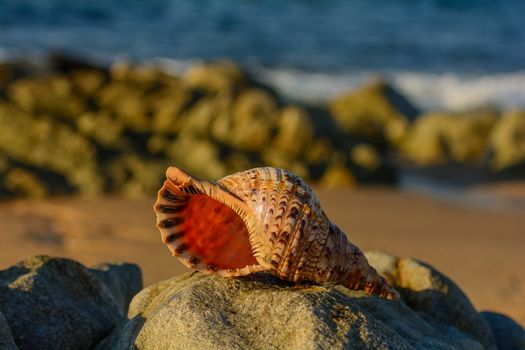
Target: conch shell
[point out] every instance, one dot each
(258, 220)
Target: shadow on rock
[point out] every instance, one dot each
(509, 335)
(54, 303)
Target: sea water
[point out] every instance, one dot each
(441, 53)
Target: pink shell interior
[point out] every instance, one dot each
(203, 232)
(216, 234)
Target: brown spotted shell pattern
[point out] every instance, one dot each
(263, 219)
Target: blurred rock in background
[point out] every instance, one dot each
(74, 127)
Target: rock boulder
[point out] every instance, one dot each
(376, 112)
(509, 335)
(54, 303)
(6, 338)
(196, 311)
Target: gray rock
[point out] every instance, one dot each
(509, 335)
(196, 311)
(54, 303)
(123, 281)
(432, 295)
(6, 338)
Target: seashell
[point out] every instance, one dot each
(263, 219)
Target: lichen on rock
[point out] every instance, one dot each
(507, 141)
(376, 112)
(440, 137)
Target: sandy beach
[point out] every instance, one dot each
(480, 249)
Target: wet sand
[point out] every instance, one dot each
(481, 248)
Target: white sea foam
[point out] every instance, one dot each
(171, 65)
(451, 91)
(309, 86)
(428, 91)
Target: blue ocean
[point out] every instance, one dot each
(441, 53)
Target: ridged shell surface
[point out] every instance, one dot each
(256, 220)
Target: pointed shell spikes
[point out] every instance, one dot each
(257, 220)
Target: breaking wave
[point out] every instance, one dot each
(429, 91)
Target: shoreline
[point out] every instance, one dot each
(431, 90)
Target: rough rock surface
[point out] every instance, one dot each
(54, 303)
(6, 338)
(195, 311)
(509, 335)
(432, 295)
